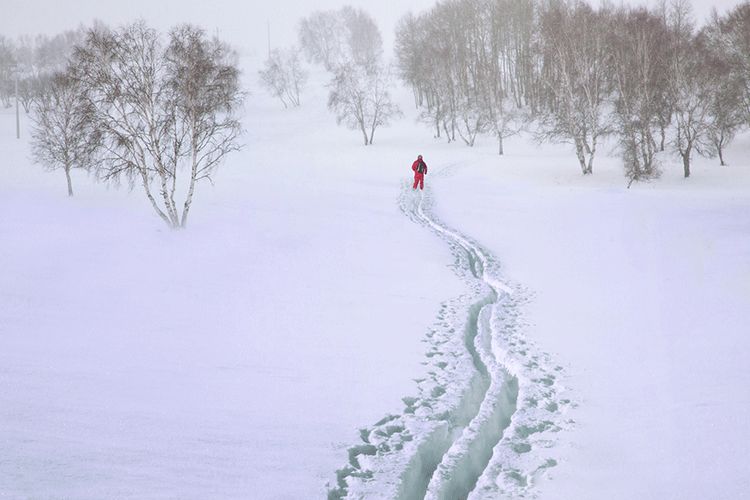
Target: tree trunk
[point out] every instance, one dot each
(686, 163)
(159, 211)
(581, 157)
(70, 183)
(721, 156)
(591, 153)
(191, 189)
(663, 138)
(165, 194)
(500, 144)
(372, 129)
(364, 133)
(162, 170)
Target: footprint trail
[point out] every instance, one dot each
(485, 421)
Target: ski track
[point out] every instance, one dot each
(485, 422)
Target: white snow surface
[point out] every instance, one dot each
(644, 296)
(240, 358)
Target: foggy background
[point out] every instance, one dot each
(244, 24)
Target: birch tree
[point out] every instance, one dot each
(161, 110)
(284, 76)
(725, 115)
(638, 43)
(205, 99)
(361, 99)
(693, 100)
(691, 87)
(577, 80)
(337, 38)
(348, 44)
(733, 40)
(8, 70)
(729, 113)
(62, 136)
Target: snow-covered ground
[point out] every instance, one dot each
(241, 358)
(644, 295)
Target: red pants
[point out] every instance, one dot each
(418, 179)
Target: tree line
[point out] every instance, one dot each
(31, 61)
(161, 111)
(577, 74)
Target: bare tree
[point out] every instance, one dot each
(725, 116)
(321, 39)
(348, 44)
(577, 82)
(203, 76)
(473, 66)
(361, 99)
(638, 43)
(692, 114)
(8, 71)
(160, 110)
(284, 76)
(691, 88)
(62, 135)
(472, 120)
(26, 92)
(505, 120)
(728, 113)
(425, 55)
(340, 38)
(732, 43)
(363, 39)
(36, 59)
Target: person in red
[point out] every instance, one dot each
(420, 170)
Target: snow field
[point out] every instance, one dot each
(642, 295)
(222, 360)
(470, 395)
(259, 344)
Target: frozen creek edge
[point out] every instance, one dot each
(485, 422)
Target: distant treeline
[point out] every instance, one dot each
(31, 61)
(651, 78)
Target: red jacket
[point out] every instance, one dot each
(416, 164)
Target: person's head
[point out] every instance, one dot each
(419, 157)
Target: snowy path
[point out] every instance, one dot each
(485, 421)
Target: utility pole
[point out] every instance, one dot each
(18, 119)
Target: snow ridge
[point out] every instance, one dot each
(485, 420)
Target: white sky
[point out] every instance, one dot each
(241, 23)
